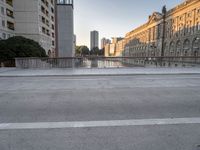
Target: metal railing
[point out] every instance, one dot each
(107, 62)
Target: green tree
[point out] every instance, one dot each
(101, 52)
(77, 51)
(20, 47)
(82, 50)
(94, 51)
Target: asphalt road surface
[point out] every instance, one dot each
(146, 112)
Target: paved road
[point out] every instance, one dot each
(51, 100)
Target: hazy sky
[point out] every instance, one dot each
(113, 18)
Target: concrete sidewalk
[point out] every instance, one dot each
(14, 72)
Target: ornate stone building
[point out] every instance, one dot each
(171, 33)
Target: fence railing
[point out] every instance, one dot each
(107, 62)
(7, 63)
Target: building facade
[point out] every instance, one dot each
(7, 22)
(94, 39)
(65, 28)
(33, 19)
(171, 33)
(104, 41)
(115, 48)
(36, 20)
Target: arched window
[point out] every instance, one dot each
(178, 48)
(186, 47)
(165, 49)
(49, 53)
(196, 47)
(172, 49)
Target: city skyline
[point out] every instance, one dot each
(109, 21)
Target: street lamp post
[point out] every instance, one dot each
(196, 51)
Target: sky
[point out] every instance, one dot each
(113, 18)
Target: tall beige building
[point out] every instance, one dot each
(115, 48)
(171, 33)
(33, 19)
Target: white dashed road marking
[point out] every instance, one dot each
(92, 124)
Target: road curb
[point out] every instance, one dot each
(86, 75)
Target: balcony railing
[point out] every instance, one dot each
(107, 62)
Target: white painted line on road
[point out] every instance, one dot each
(92, 124)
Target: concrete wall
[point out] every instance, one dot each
(65, 27)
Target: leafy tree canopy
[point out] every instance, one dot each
(82, 50)
(20, 47)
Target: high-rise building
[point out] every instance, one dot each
(33, 19)
(7, 25)
(94, 39)
(115, 48)
(104, 41)
(36, 20)
(65, 28)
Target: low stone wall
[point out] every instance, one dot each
(107, 62)
(43, 63)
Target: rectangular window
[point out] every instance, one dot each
(43, 30)
(42, 9)
(3, 23)
(47, 4)
(47, 13)
(52, 18)
(47, 23)
(2, 11)
(9, 13)
(47, 31)
(43, 20)
(10, 25)
(52, 10)
(3, 35)
(198, 26)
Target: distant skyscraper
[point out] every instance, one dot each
(104, 41)
(94, 39)
(65, 28)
